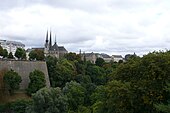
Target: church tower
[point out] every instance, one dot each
(53, 49)
(46, 49)
(50, 43)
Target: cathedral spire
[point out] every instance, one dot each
(47, 37)
(50, 43)
(55, 39)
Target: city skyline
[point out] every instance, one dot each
(104, 26)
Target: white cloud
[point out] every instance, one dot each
(111, 26)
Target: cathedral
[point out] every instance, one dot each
(53, 50)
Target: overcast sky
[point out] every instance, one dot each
(105, 26)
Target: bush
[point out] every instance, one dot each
(37, 81)
(12, 81)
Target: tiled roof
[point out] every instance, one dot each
(117, 56)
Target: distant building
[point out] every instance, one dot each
(53, 50)
(89, 57)
(117, 58)
(105, 57)
(93, 56)
(49, 49)
(11, 46)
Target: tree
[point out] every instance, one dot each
(164, 107)
(99, 62)
(10, 56)
(20, 53)
(97, 74)
(80, 67)
(18, 106)
(36, 55)
(98, 100)
(37, 81)
(75, 94)
(148, 76)
(1, 51)
(64, 72)
(72, 56)
(12, 81)
(49, 100)
(5, 53)
(119, 97)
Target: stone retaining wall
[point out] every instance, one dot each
(23, 68)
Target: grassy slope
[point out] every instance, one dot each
(5, 98)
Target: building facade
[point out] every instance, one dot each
(11, 46)
(117, 58)
(105, 57)
(93, 56)
(53, 50)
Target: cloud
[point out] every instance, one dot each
(111, 26)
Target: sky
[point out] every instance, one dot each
(104, 26)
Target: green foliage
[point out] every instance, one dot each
(119, 97)
(75, 94)
(10, 56)
(164, 107)
(1, 51)
(12, 81)
(80, 67)
(62, 73)
(100, 62)
(18, 106)
(98, 99)
(72, 56)
(83, 109)
(37, 81)
(5, 53)
(36, 55)
(136, 86)
(3, 108)
(148, 77)
(97, 74)
(83, 79)
(48, 100)
(20, 53)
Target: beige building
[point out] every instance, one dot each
(105, 57)
(117, 58)
(93, 56)
(89, 57)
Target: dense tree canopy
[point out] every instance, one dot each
(100, 62)
(139, 85)
(1, 51)
(72, 56)
(63, 72)
(49, 100)
(147, 77)
(20, 53)
(37, 81)
(12, 81)
(5, 53)
(164, 107)
(75, 94)
(36, 55)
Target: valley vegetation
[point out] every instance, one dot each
(139, 85)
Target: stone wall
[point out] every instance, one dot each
(23, 68)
